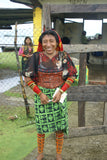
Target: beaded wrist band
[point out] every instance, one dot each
(67, 84)
(61, 90)
(23, 55)
(34, 87)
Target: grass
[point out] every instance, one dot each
(13, 94)
(8, 60)
(17, 137)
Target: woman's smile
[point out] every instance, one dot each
(49, 44)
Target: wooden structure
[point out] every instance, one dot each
(81, 93)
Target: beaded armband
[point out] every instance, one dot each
(34, 87)
(69, 81)
(67, 84)
(23, 55)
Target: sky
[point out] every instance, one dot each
(9, 4)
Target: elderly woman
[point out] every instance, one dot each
(50, 68)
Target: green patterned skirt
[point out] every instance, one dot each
(50, 117)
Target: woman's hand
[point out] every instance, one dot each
(29, 55)
(57, 97)
(44, 99)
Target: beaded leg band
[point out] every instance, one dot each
(40, 141)
(59, 142)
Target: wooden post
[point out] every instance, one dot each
(46, 16)
(82, 77)
(20, 75)
(105, 109)
(105, 114)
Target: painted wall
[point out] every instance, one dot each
(71, 30)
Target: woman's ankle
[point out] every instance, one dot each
(40, 156)
(58, 156)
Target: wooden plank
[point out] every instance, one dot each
(84, 48)
(105, 113)
(46, 16)
(87, 131)
(82, 77)
(70, 8)
(88, 93)
(81, 113)
(82, 69)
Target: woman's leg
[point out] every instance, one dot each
(59, 144)
(40, 141)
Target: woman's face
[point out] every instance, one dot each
(28, 41)
(49, 44)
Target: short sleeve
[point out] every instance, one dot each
(71, 67)
(21, 51)
(32, 67)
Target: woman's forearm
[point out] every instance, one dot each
(33, 86)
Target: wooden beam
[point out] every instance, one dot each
(70, 8)
(46, 16)
(82, 77)
(105, 109)
(105, 113)
(88, 93)
(82, 69)
(36, 3)
(87, 131)
(84, 48)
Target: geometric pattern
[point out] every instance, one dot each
(50, 117)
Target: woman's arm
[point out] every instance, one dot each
(21, 51)
(66, 85)
(44, 99)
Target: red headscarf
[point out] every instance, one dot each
(59, 47)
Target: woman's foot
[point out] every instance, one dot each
(58, 157)
(40, 156)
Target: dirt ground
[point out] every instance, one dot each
(80, 148)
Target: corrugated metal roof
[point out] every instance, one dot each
(10, 16)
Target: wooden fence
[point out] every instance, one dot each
(83, 93)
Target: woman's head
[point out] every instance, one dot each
(49, 40)
(28, 41)
(49, 32)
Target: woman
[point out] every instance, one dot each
(26, 51)
(49, 69)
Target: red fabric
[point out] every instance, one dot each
(23, 55)
(65, 86)
(70, 79)
(40, 49)
(36, 89)
(60, 46)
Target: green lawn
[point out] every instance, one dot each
(8, 60)
(17, 137)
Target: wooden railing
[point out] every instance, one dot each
(82, 93)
